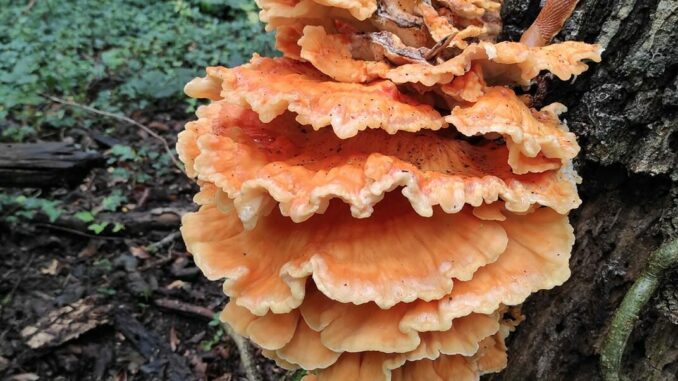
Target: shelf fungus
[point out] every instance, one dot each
(379, 200)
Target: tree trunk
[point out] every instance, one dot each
(624, 111)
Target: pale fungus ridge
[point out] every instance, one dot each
(379, 198)
(261, 165)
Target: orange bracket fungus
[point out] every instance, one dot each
(379, 199)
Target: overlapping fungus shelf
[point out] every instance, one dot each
(379, 199)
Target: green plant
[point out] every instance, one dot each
(120, 55)
(298, 375)
(20, 207)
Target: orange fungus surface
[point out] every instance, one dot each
(378, 200)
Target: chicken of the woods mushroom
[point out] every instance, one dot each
(379, 199)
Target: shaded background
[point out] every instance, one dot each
(99, 265)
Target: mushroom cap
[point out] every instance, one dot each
(468, 87)
(256, 163)
(503, 62)
(392, 257)
(272, 86)
(272, 10)
(360, 9)
(441, 27)
(528, 133)
(414, 23)
(376, 366)
(305, 346)
(536, 258)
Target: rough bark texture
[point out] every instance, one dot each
(624, 111)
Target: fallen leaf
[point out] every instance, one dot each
(139, 252)
(91, 248)
(176, 284)
(66, 323)
(51, 269)
(174, 339)
(158, 126)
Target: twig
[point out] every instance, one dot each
(29, 6)
(159, 262)
(121, 118)
(73, 231)
(176, 305)
(246, 358)
(627, 314)
(163, 242)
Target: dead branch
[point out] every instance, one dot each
(191, 309)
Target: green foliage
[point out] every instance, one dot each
(113, 201)
(16, 208)
(298, 375)
(208, 344)
(98, 227)
(122, 153)
(85, 216)
(106, 291)
(121, 56)
(13, 208)
(104, 264)
(118, 55)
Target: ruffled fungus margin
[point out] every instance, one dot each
(437, 198)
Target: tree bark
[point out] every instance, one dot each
(624, 111)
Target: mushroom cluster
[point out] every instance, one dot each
(378, 198)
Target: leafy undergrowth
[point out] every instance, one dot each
(111, 242)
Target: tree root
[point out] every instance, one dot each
(629, 310)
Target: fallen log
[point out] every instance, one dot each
(45, 165)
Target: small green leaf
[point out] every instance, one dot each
(216, 321)
(85, 216)
(113, 201)
(51, 209)
(298, 375)
(98, 228)
(27, 214)
(123, 153)
(106, 291)
(121, 173)
(118, 227)
(104, 264)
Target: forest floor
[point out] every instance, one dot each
(80, 306)
(105, 278)
(95, 281)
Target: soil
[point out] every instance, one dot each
(125, 330)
